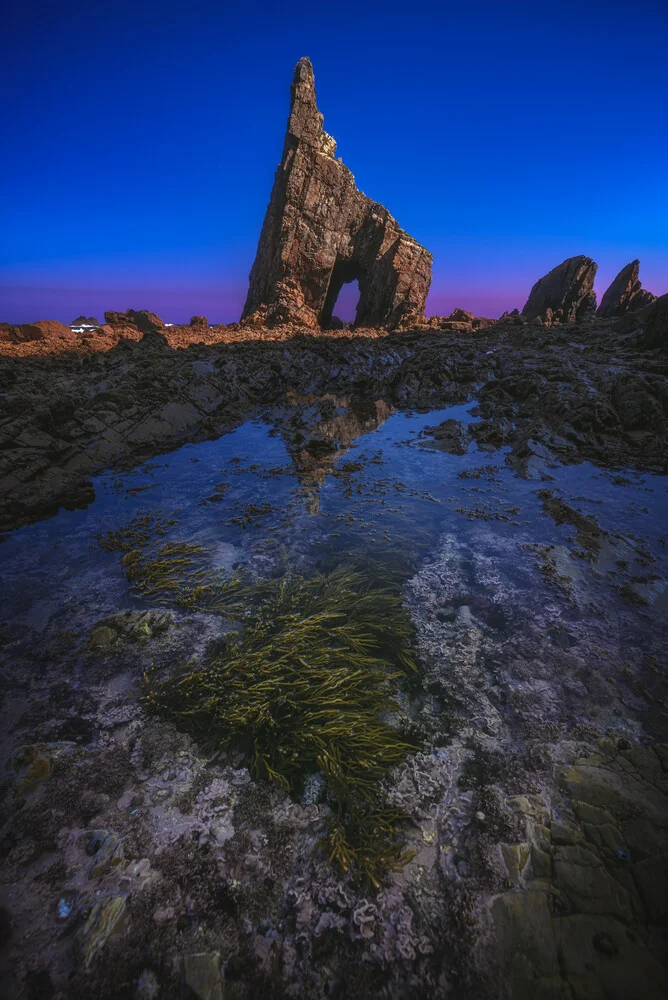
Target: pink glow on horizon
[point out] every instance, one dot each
(222, 301)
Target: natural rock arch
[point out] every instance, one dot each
(320, 231)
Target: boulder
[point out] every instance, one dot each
(84, 321)
(48, 330)
(625, 294)
(461, 316)
(140, 319)
(564, 295)
(199, 321)
(320, 232)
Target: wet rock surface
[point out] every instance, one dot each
(141, 861)
(320, 232)
(577, 392)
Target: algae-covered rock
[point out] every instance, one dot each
(33, 764)
(107, 850)
(516, 857)
(37, 771)
(203, 975)
(601, 959)
(527, 948)
(102, 638)
(106, 920)
(586, 885)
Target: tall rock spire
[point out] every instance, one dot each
(305, 121)
(625, 294)
(566, 293)
(320, 232)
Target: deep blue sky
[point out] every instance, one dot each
(140, 141)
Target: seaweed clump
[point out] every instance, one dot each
(178, 573)
(306, 686)
(139, 530)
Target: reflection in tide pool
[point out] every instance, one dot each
(329, 479)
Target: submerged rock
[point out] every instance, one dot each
(625, 294)
(564, 295)
(320, 232)
(451, 436)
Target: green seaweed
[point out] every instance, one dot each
(178, 573)
(306, 685)
(138, 532)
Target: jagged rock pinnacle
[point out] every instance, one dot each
(319, 232)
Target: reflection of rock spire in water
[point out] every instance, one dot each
(319, 429)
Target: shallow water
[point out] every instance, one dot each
(308, 490)
(540, 617)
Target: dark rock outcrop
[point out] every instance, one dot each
(625, 294)
(655, 324)
(84, 321)
(141, 319)
(199, 321)
(564, 295)
(320, 232)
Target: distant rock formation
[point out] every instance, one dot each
(320, 232)
(45, 330)
(625, 294)
(564, 295)
(84, 321)
(199, 321)
(140, 320)
(655, 323)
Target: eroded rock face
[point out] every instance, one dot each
(47, 331)
(655, 324)
(625, 294)
(566, 294)
(199, 322)
(321, 232)
(140, 319)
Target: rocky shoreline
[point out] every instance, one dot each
(568, 392)
(359, 693)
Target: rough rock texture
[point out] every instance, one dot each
(140, 319)
(63, 418)
(48, 330)
(84, 321)
(625, 294)
(566, 294)
(199, 321)
(321, 232)
(655, 324)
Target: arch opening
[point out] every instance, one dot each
(343, 294)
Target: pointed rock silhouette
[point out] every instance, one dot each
(320, 232)
(565, 294)
(625, 294)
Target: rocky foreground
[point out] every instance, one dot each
(527, 835)
(539, 817)
(569, 391)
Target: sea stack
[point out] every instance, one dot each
(320, 232)
(625, 294)
(565, 294)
